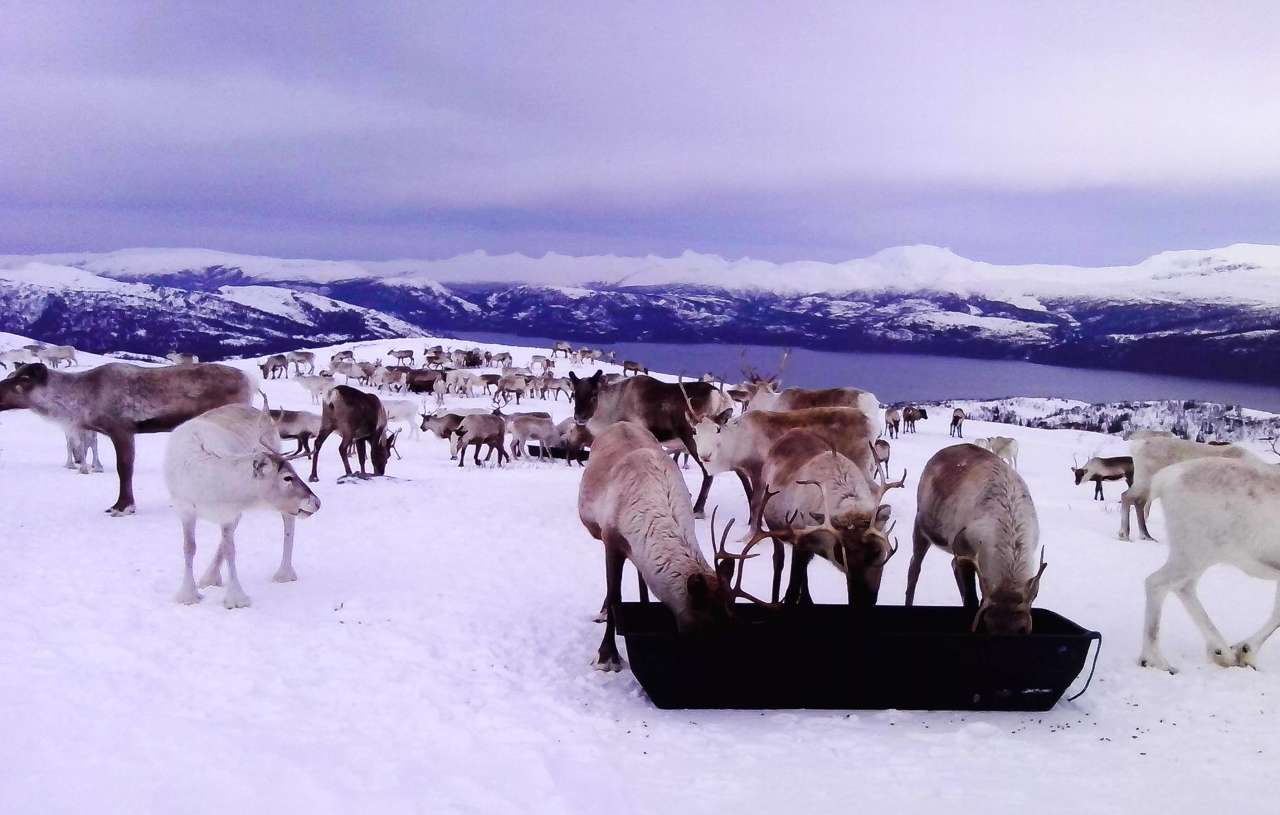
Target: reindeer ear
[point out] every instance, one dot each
(599, 374)
(724, 416)
(573, 377)
(881, 517)
(260, 464)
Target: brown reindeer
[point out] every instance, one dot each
(666, 410)
(359, 419)
(957, 423)
(1097, 470)
(121, 400)
(633, 368)
(912, 414)
(482, 430)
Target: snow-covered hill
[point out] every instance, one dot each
(1212, 313)
(434, 656)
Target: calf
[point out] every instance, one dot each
(81, 443)
(957, 423)
(892, 422)
(536, 428)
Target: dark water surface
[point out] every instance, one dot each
(922, 377)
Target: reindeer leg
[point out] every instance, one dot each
(796, 586)
(188, 594)
(920, 544)
(1143, 509)
(1246, 650)
(123, 442)
(779, 558)
(643, 589)
(234, 596)
(286, 574)
(315, 455)
(1219, 651)
(1126, 501)
(1158, 585)
(344, 450)
(967, 582)
(608, 658)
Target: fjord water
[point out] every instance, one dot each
(924, 377)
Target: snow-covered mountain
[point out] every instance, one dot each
(1209, 313)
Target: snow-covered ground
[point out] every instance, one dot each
(434, 657)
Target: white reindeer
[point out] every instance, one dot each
(1151, 454)
(218, 465)
(81, 443)
(1216, 510)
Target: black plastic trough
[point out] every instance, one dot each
(822, 656)
(555, 452)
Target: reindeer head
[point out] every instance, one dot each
(282, 488)
(857, 543)
(1006, 606)
(712, 595)
(586, 392)
(1077, 470)
(17, 388)
(380, 451)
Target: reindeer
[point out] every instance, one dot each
(299, 425)
(892, 421)
(912, 414)
(634, 501)
(81, 443)
(541, 363)
(16, 357)
(975, 507)
(667, 410)
(121, 400)
(216, 466)
(539, 429)
(633, 368)
(573, 437)
(561, 347)
(880, 452)
(957, 423)
(359, 419)
(848, 521)
(401, 357)
(1217, 510)
(52, 355)
(316, 386)
(741, 445)
(299, 358)
(1003, 446)
(510, 384)
(1098, 470)
(502, 360)
(480, 430)
(273, 367)
(422, 381)
(1151, 455)
(444, 426)
(181, 359)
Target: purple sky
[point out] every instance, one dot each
(1063, 132)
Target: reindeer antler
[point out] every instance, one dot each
(782, 366)
(893, 485)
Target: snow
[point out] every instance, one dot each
(434, 656)
(284, 302)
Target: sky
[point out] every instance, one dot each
(1010, 132)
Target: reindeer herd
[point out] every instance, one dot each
(814, 466)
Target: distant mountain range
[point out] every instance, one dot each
(1212, 313)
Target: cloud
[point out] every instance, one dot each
(583, 123)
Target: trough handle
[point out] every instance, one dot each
(1097, 635)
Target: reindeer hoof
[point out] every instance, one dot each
(1158, 664)
(238, 600)
(314, 479)
(210, 581)
(1122, 536)
(284, 575)
(188, 596)
(607, 663)
(120, 512)
(1226, 657)
(1244, 655)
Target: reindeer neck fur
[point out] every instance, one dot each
(657, 523)
(1005, 533)
(61, 399)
